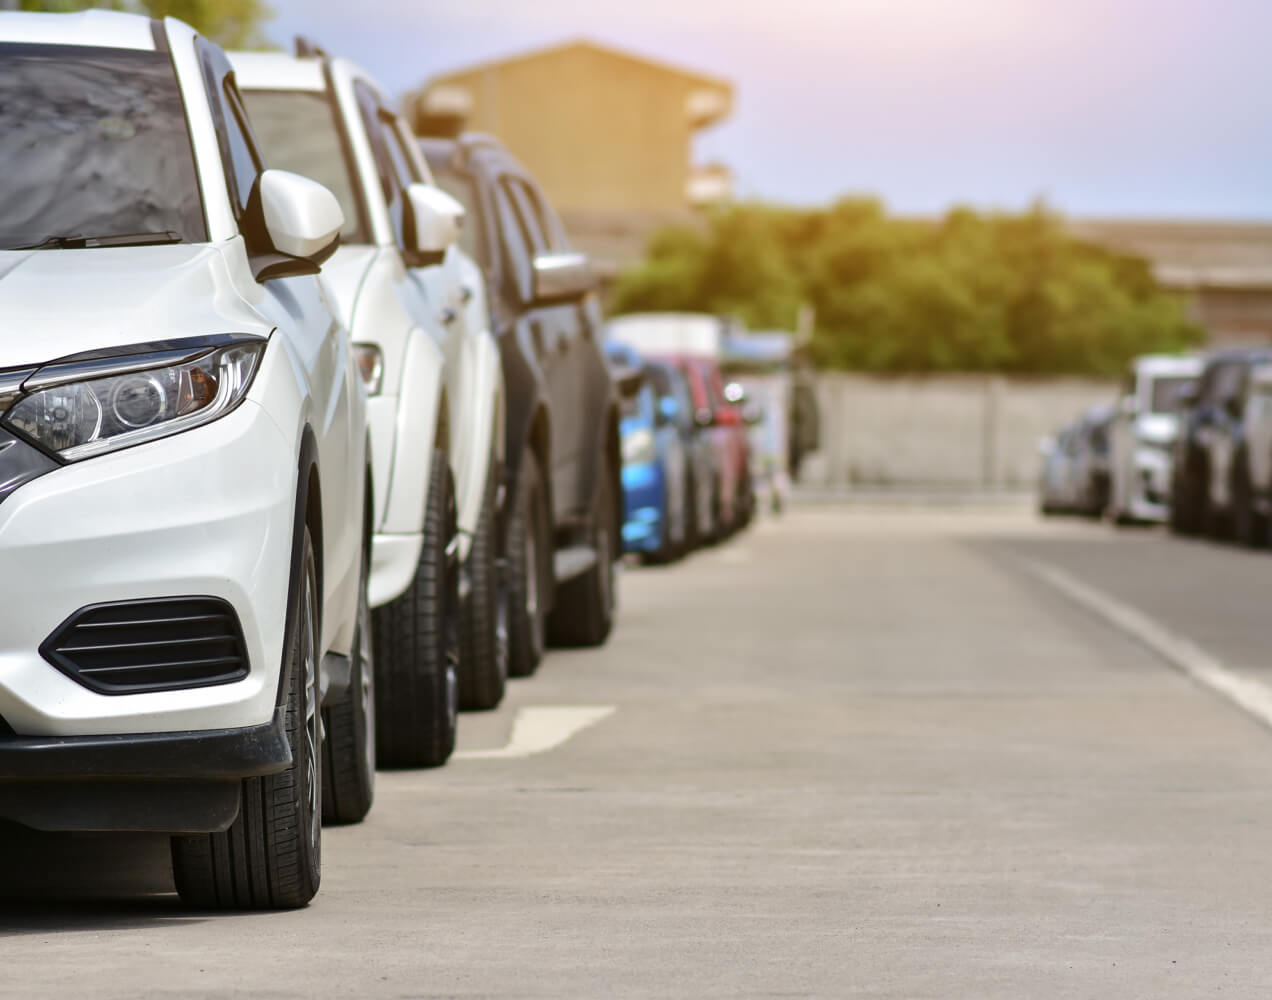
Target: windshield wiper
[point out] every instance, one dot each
(115, 240)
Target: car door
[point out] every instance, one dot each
(552, 330)
(299, 309)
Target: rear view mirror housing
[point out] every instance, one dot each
(561, 278)
(433, 224)
(292, 225)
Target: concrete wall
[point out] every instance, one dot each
(956, 431)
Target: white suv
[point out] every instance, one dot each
(417, 310)
(183, 467)
(1143, 436)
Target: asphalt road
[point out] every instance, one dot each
(865, 752)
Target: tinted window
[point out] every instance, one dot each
(1165, 393)
(94, 143)
(298, 131)
(369, 110)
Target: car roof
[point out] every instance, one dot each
(100, 28)
(1167, 364)
(277, 71)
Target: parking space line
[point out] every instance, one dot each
(1251, 696)
(542, 728)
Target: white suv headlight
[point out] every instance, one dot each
(79, 417)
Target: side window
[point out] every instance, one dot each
(390, 184)
(517, 245)
(528, 221)
(239, 156)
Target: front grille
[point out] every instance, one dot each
(162, 645)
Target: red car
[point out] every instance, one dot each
(721, 425)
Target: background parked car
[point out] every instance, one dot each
(655, 464)
(1211, 460)
(1143, 436)
(400, 287)
(563, 460)
(1075, 473)
(692, 344)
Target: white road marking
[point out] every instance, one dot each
(538, 730)
(1251, 696)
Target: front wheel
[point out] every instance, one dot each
(348, 786)
(483, 659)
(271, 856)
(584, 611)
(528, 560)
(417, 643)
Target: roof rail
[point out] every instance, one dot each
(307, 48)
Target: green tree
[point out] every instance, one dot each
(969, 292)
(232, 23)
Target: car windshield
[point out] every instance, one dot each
(297, 131)
(1165, 393)
(95, 146)
(461, 189)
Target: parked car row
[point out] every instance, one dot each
(299, 453)
(687, 469)
(1189, 443)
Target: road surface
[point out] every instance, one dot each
(872, 752)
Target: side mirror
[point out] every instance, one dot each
(560, 278)
(668, 410)
(1234, 407)
(629, 381)
(1128, 406)
(703, 417)
(301, 221)
(434, 224)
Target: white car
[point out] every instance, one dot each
(417, 310)
(1143, 439)
(183, 467)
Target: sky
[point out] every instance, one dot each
(1125, 108)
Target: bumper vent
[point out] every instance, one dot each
(138, 646)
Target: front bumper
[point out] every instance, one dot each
(644, 513)
(209, 512)
(161, 782)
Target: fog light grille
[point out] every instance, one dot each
(161, 645)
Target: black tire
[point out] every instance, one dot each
(348, 774)
(691, 516)
(1248, 527)
(583, 614)
(528, 568)
(483, 661)
(1185, 499)
(416, 640)
(271, 856)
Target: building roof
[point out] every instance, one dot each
(692, 77)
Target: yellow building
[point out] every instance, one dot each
(607, 134)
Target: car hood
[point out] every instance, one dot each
(344, 273)
(55, 303)
(1157, 428)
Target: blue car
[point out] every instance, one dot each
(655, 523)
